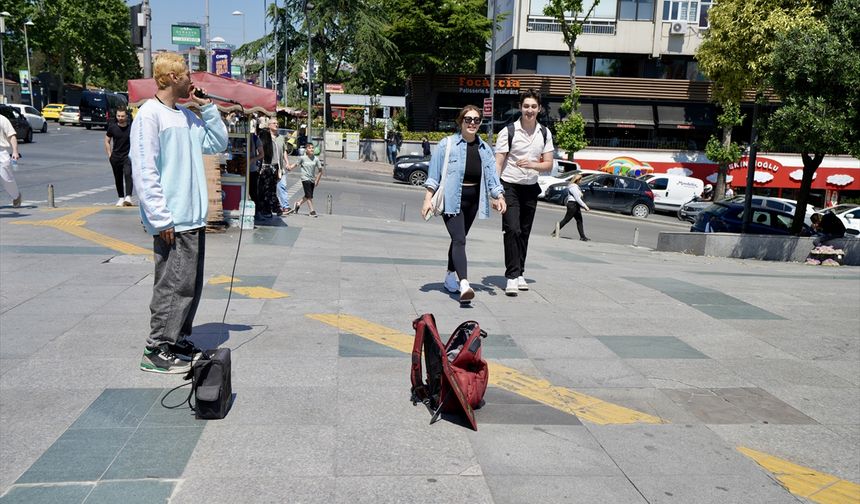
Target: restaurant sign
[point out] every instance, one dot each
(481, 85)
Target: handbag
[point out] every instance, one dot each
(437, 202)
(211, 385)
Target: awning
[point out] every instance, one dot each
(625, 116)
(253, 98)
(685, 117)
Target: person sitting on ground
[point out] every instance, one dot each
(827, 227)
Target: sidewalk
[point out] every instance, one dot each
(624, 375)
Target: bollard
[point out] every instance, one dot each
(557, 230)
(51, 196)
(636, 237)
(328, 203)
(403, 212)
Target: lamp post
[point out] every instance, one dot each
(27, 50)
(3, 16)
(309, 6)
(240, 13)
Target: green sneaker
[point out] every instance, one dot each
(162, 360)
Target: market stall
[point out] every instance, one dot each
(226, 174)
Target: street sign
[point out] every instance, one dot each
(185, 35)
(334, 88)
(488, 106)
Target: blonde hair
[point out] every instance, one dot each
(576, 178)
(166, 64)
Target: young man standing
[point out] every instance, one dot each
(312, 171)
(117, 153)
(167, 147)
(523, 151)
(8, 152)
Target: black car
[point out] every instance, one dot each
(609, 192)
(99, 107)
(412, 169)
(727, 217)
(23, 130)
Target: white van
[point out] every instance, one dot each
(672, 191)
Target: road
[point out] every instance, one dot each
(72, 160)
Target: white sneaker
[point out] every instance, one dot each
(451, 283)
(119, 202)
(512, 289)
(126, 201)
(466, 292)
(522, 284)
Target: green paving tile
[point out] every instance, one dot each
(131, 492)
(78, 455)
(709, 301)
(573, 257)
(181, 416)
(281, 236)
(53, 249)
(117, 408)
(501, 346)
(350, 345)
(155, 452)
(55, 494)
(650, 347)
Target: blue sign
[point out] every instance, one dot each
(221, 61)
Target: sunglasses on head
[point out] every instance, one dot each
(472, 120)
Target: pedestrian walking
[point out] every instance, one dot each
(168, 143)
(312, 172)
(471, 184)
(254, 171)
(574, 206)
(268, 203)
(9, 153)
(116, 148)
(523, 151)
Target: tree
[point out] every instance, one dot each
(570, 132)
(735, 55)
(816, 72)
(723, 151)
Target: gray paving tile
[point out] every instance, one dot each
(686, 373)
(713, 489)
(590, 373)
(736, 406)
(256, 489)
(574, 257)
(428, 489)
(650, 347)
(131, 492)
(78, 455)
(66, 494)
(53, 250)
(515, 489)
(116, 408)
(281, 236)
(139, 460)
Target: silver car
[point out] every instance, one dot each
(70, 115)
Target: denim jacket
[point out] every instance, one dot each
(490, 183)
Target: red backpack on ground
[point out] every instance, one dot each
(457, 375)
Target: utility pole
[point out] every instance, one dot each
(286, 53)
(147, 41)
(492, 72)
(206, 35)
(265, 30)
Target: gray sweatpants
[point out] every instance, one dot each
(177, 288)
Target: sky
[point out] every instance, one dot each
(221, 21)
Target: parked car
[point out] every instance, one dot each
(70, 115)
(99, 107)
(23, 130)
(603, 191)
(690, 210)
(412, 169)
(672, 191)
(52, 111)
(37, 122)
(544, 181)
(727, 217)
(849, 214)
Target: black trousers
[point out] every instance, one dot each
(517, 225)
(267, 199)
(122, 172)
(573, 212)
(458, 227)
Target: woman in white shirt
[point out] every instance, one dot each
(574, 203)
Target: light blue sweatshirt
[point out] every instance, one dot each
(167, 147)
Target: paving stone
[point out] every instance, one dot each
(542, 489)
(736, 406)
(259, 489)
(713, 489)
(67, 494)
(653, 347)
(405, 489)
(131, 492)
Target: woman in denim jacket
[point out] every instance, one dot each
(471, 186)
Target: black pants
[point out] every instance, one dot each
(517, 225)
(458, 227)
(573, 211)
(122, 172)
(267, 199)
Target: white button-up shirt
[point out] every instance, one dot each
(524, 146)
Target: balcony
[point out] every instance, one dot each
(548, 24)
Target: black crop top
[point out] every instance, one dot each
(473, 163)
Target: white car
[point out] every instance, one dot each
(37, 122)
(70, 115)
(545, 181)
(849, 214)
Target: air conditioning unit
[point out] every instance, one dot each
(678, 28)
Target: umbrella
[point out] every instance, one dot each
(253, 98)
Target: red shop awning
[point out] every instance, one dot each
(253, 98)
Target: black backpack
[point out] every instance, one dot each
(210, 385)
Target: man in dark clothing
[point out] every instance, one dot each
(827, 227)
(116, 148)
(425, 146)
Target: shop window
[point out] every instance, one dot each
(606, 67)
(636, 10)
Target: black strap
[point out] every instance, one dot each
(510, 129)
(187, 399)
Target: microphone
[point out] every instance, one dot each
(200, 94)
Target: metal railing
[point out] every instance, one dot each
(550, 25)
(632, 143)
